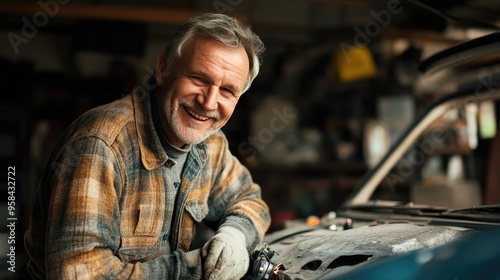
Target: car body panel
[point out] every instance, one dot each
(311, 255)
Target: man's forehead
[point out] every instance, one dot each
(204, 55)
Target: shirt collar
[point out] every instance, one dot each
(152, 153)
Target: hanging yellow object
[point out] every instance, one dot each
(354, 63)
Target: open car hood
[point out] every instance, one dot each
(477, 91)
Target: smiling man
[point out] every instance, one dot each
(200, 93)
(128, 182)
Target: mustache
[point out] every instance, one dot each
(196, 107)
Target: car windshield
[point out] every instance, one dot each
(446, 158)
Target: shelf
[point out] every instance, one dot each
(453, 150)
(329, 169)
(338, 176)
(418, 36)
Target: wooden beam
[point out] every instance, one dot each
(361, 4)
(106, 12)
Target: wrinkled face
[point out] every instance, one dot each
(199, 95)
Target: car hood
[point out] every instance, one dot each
(309, 254)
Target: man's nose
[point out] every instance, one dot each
(210, 98)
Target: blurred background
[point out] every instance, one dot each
(338, 84)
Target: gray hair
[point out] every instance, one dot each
(223, 28)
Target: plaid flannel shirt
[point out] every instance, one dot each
(103, 209)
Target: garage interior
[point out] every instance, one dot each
(333, 72)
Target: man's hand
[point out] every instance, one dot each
(226, 256)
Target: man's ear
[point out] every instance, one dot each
(161, 69)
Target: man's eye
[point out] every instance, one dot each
(229, 93)
(227, 90)
(197, 80)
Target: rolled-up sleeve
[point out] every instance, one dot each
(235, 200)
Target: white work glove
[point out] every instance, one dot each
(193, 258)
(226, 256)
